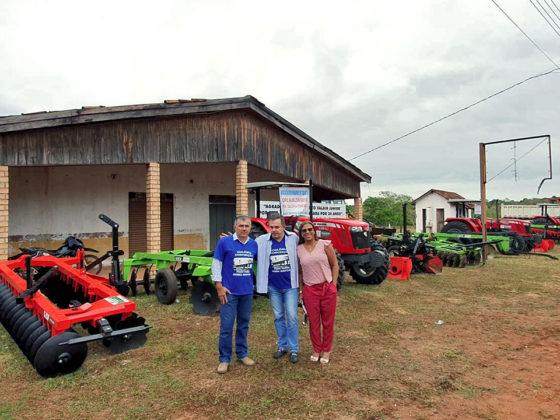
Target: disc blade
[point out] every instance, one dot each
(205, 299)
(122, 343)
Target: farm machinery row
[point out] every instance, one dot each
(461, 242)
(522, 237)
(45, 299)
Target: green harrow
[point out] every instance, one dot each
(173, 270)
(454, 249)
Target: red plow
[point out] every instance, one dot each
(43, 298)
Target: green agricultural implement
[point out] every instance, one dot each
(499, 243)
(174, 269)
(451, 254)
(455, 249)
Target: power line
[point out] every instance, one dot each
(516, 160)
(454, 113)
(552, 10)
(527, 36)
(547, 21)
(555, 5)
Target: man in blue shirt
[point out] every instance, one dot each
(277, 274)
(232, 272)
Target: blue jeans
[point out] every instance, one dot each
(236, 307)
(284, 304)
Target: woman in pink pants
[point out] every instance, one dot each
(318, 273)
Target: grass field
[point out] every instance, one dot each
(496, 356)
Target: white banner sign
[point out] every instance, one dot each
(320, 210)
(294, 201)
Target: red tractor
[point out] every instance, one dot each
(548, 226)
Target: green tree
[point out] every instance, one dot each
(386, 210)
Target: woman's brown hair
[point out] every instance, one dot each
(301, 240)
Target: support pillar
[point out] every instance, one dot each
(241, 193)
(358, 209)
(4, 202)
(153, 211)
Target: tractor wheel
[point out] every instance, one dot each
(455, 227)
(379, 273)
(394, 251)
(88, 259)
(341, 271)
(516, 243)
(166, 286)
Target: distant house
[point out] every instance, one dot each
(434, 206)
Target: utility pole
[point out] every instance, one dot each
(482, 153)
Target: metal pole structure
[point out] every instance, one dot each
(311, 200)
(482, 152)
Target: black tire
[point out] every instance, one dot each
(455, 226)
(88, 259)
(394, 251)
(166, 286)
(516, 243)
(341, 271)
(379, 273)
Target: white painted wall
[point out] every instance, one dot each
(526, 211)
(432, 202)
(192, 184)
(66, 200)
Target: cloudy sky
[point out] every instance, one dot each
(354, 75)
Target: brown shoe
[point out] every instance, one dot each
(223, 368)
(247, 361)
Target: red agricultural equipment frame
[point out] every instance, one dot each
(43, 297)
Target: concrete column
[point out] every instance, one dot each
(4, 202)
(358, 208)
(153, 211)
(241, 193)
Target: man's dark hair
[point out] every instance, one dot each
(276, 216)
